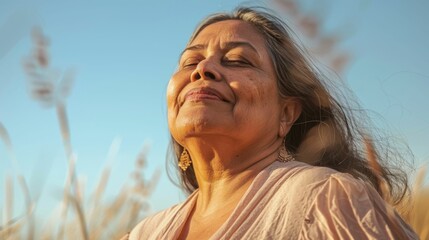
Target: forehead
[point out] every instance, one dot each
(229, 31)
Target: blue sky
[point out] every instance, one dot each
(124, 54)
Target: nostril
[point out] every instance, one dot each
(197, 76)
(209, 75)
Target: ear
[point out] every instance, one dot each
(290, 111)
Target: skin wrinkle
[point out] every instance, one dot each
(229, 144)
(231, 141)
(225, 47)
(254, 100)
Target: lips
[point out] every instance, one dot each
(204, 93)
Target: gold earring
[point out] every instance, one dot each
(185, 160)
(284, 155)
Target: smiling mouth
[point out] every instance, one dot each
(203, 94)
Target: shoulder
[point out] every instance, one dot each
(314, 181)
(343, 206)
(298, 181)
(299, 174)
(292, 187)
(294, 192)
(335, 205)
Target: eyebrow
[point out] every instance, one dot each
(228, 45)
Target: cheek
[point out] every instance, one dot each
(257, 98)
(172, 93)
(174, 87)
(256, 91)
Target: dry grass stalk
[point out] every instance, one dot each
(418, 214)
(30, 206)
(46, 87)
(101, 186)
(105, 220)
(113, 221)
(67, 192)
(10, 226)
(415, 208)
(65, 129)
(4, 135)
(376, 168)
(12, 229)
(81, 216)
(321, 44)
(94, 212)
(8, 202)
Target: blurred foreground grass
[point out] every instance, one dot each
(78, 217)
(417, 212)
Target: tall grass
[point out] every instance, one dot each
(78, 217)
(322, 44)
(417, 212)
(414, 208)
(86, 218)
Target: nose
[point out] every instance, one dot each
(206, 70)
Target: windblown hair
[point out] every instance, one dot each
(328, 132)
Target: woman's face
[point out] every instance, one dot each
(225, 86)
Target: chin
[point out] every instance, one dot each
(198, 126)
(197, 119)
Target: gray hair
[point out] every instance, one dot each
(343, 149)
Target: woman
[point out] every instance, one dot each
(243, 104)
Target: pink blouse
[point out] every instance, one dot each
(293, 201)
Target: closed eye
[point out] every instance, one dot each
(190, 62)
(236, 62)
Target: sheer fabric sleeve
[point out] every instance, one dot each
(347, 208)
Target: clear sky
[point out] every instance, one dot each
(125, 52)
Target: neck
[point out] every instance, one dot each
(225, 170)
